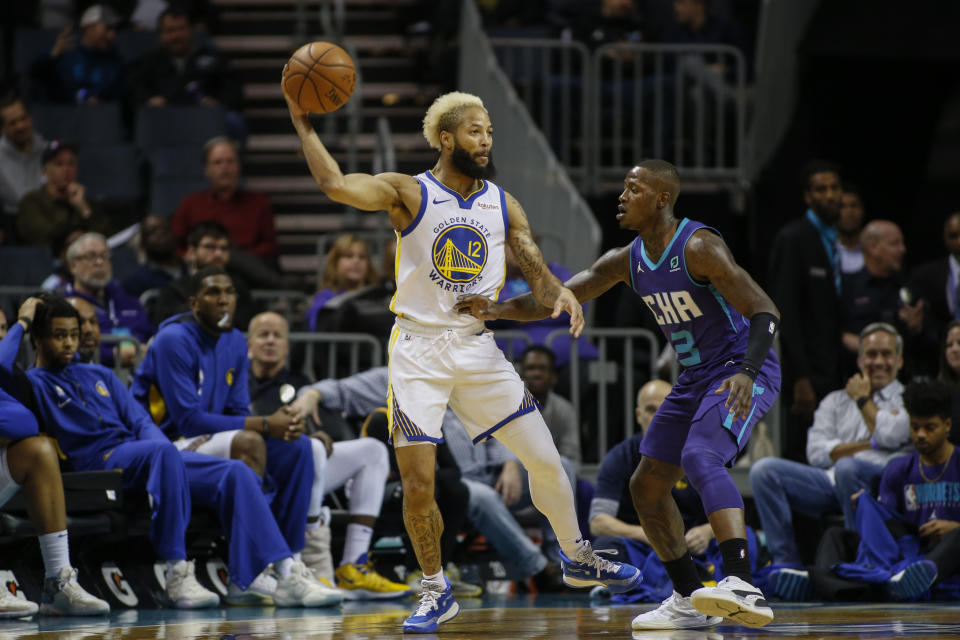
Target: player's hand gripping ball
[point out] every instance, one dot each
(319, 77)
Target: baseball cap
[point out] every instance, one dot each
(54, 148)
(99, 13)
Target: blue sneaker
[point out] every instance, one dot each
(589, 569)
(913, 581)
(436, 606)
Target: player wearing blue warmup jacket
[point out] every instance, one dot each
(99, 426)
(193, 381)
(29, 460)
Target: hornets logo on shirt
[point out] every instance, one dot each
(459, 254)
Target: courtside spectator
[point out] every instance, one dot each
(21, 155)
(247, 215)
(208, 245)
(90, 72)
(856, 431)
(163, 264)
(59, 203)
(89, 261)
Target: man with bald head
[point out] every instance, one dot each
(873, 294)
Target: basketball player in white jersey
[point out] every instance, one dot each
(452, 225)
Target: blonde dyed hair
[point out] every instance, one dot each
(444, 114)
(343, 244)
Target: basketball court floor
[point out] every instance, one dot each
(525, 617)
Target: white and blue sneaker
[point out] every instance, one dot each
(436, 607)
(589, 569)
(913, 581)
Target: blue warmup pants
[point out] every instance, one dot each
(157, 468)
(290, 467)
(172, 479)
(233, 489)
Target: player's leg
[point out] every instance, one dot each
(421, 517)
(714, 440)
(31, 463)
(528, 438)
(158, 468)
(366, 462)
(317, 538)
(290, 467)
(650, 490)
(235, 492)
(490, 400)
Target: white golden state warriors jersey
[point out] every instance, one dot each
(454, 246)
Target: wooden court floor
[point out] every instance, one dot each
(545, 617)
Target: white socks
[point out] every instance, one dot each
(357, 544)
(55, 549)
(283, 567)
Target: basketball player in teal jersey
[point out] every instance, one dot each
(721, 325)
(452, 228)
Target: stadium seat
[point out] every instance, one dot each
(99, 124)
(166, 193)
(30, 45)
(132, 44)
(177, 163)
(110, 172)
(184, 127)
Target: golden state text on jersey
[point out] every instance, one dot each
(455, 245)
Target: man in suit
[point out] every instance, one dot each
(937, 285)
(804, 283)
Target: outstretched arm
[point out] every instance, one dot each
(611, 268)
(544, 286)
(396, 193)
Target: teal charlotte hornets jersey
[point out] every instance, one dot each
(454, 245)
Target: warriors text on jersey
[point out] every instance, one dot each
(454, 246)
(695, 318)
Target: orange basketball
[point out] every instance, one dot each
(320, 77)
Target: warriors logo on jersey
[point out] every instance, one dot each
(459, 253)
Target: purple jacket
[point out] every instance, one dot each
(119, 313)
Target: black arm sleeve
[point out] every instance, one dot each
(763, 327)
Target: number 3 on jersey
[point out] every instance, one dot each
(687, 354)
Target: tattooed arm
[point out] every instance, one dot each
(545, 287)
(611, 268)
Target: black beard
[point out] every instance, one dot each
(468, 166)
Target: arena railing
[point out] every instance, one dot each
(529, 168)
(354, 342)
(602, 111)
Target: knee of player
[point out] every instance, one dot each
(38, 451)
(700, 463)
(417, 488)
(248, 444)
